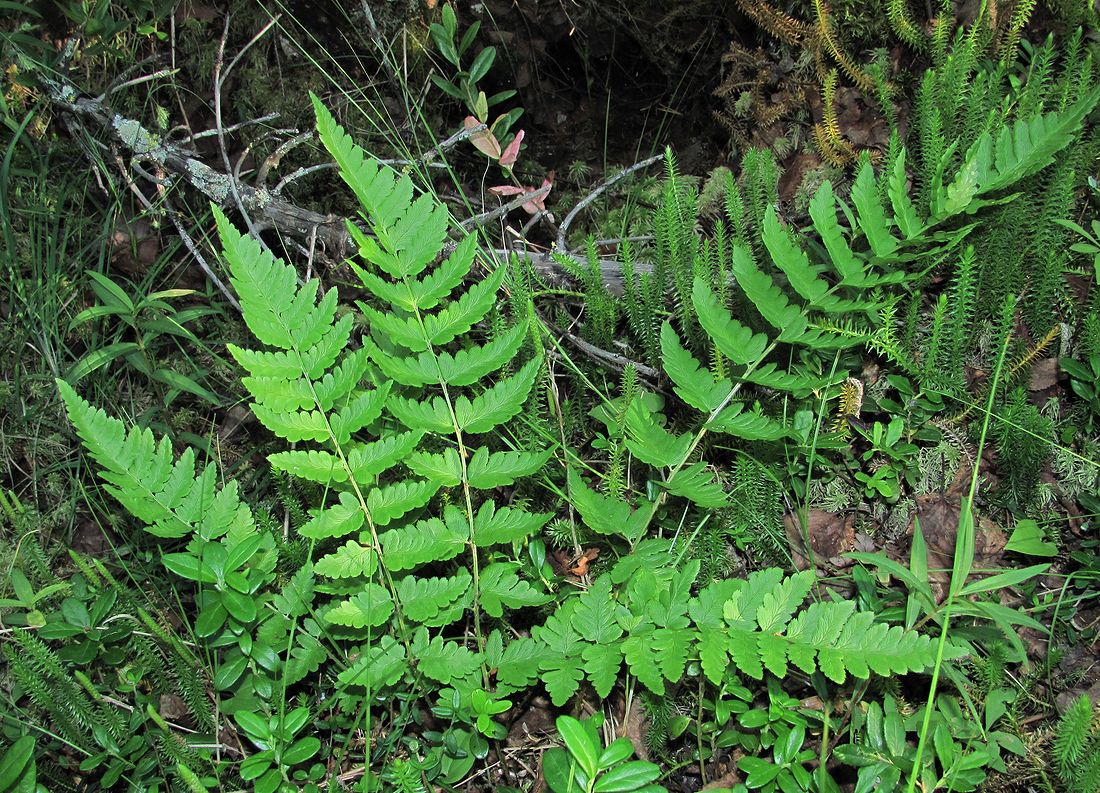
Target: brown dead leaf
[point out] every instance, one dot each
(636, 728)
(831, 535)
(1044, 374)
(579, 568)
(938, 514)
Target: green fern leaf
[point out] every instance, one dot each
(733, 339)
(306, 657)
(500, 586)
(770, 301)
(443, 279)
(518, 666)
(650, 442)
(426, 416)
(828, 636)
(461, 315)
(751, 426)
(562, 677)
(280, 394)
(164, 494)
(302, 425)
(640, 652)
(780, 603)
(276, 310)
(423, 599)
(823, 211)
(403, 330)
(792, 260)
(905, 215)
(872, 217)
(596, 617)
(494, 526)
(379, 666)
(697, 484)
(603, 514)
(336, 521)
(470, 365)
(444, 468)
(820, 624)
(690, 380)
(713, 656)
(602, 663)
(350, 561)
(263, 364)
(368, 460)
(410, 233)
(486, 471)
(744, 652)
(465, 367)
(743, 604)
(387, 504)
(412, 295)
(314, 465)
(672, 647)
(370, 608)
(769, 376)
(706, 608)
(431, 540)
(296, 596)
(441, 660)
(499, 403)
(362, 410)
(1021, 149)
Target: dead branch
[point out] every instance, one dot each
(265, 206)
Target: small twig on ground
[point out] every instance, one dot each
(219, 81)
(588, 199)
(383, 55)
(605, 357)
(234, 127)
(272, 160)
(193, 248)
(111, 89)
(493, 214)
(450, 142)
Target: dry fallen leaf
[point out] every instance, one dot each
(831, 535)
(579, 568)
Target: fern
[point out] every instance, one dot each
(753, 625)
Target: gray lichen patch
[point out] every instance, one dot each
(209, 181)
(138, 139)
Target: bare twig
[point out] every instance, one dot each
(493, 214)
(115, 88)
(588, 199)
(452, 141)
(267, 207)
(219, 80)
(605, 357)
(234, 127)
(206, 268)
(273, 159)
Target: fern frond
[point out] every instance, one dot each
(166, 494)
(827, 636)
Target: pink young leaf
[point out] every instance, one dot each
(507, 189)
(483, 140)
(508, 158)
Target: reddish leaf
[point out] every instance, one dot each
(508, 158)
(483, 140)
